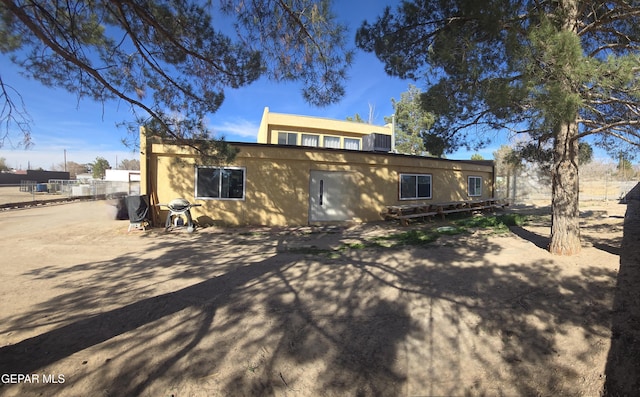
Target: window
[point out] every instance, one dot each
(310, 140)
(475, 186)
(415, 186)
(332, 142)
(287, 138)
(351, 144)
(220, 183)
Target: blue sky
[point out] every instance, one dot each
(88, 129)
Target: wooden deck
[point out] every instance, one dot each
(404, 213)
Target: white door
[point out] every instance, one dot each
(330, 195)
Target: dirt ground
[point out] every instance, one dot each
(89, 309)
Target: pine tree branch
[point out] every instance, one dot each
(11, 114)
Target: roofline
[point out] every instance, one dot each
(333, 150)
(327, 118)
(286, 120)
(385, 154)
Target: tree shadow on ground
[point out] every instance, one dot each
(435, 320)
(623, 363)
(538, 240)
(592, 233)
(239, 286)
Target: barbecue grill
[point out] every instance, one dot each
(177, 209)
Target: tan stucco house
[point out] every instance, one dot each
(305, 170)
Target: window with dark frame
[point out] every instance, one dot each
(415, 186)
(221, 183)
(287, 138)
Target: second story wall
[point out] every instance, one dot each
(287, 129)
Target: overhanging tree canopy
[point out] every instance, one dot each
(556, 70)
(169, 59)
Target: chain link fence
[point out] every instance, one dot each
(60, 190)
(526, 187)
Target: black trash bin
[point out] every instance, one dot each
(138, 211)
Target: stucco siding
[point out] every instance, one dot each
(273, 123)
(277, 185)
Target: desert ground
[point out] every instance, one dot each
(90, 309)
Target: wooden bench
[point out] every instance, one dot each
(403, 213)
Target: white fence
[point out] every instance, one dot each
(524, 187)
(96, 188)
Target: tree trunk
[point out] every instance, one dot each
(565, 221)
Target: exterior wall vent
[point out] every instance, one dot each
(376, 143)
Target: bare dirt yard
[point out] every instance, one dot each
(434, 309)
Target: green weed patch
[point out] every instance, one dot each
(499, 224)
(410, 237)
(420, 237)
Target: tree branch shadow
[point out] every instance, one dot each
(374, 321)
(538, 240)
